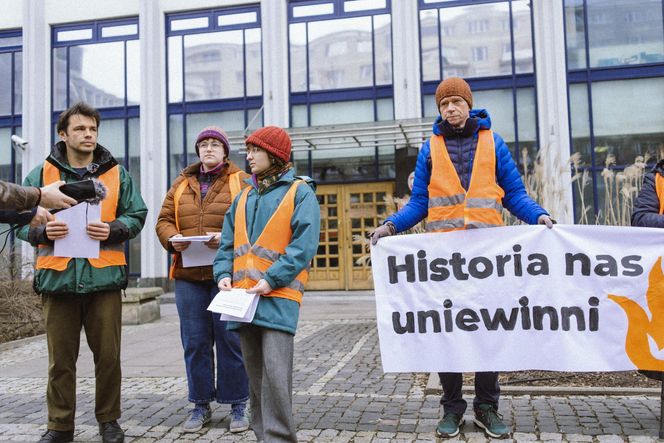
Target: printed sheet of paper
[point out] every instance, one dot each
(248, 317)
(197, 254)
(77, 244)
(235, 305)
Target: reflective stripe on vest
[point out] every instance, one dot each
(451, 207)
(109, 255)
(235, 186)
(250, 262)
(659, 187)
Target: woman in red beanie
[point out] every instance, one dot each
(268, 240)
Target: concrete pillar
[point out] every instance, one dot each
(406, 60)
(274, 19)
(552, 107)
(153, 137)
(36, 123)
(36, 77)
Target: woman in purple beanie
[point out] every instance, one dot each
(195, 205)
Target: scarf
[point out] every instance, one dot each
(205, 179)
(271, 175)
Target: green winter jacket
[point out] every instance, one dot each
(274, 312)
(80, 277)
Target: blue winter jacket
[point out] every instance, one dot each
(461, 148)
(646, 207)
(274, 312)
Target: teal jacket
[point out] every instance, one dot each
(274, 312)
(80, 277)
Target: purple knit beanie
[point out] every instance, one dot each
(213, 132)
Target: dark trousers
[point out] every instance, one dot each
(100, 315)
(487, 390)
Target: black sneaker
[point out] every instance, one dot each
(487, 418)
(52, 436)
(111, 432)
(449, 425)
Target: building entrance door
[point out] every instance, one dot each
(348, 214)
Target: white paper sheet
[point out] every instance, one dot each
(197, 238)
(248, 317)
(235, 305)
(197, 254)
(77, 244)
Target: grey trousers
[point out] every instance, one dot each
(268, 358)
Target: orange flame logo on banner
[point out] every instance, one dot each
(640, 327)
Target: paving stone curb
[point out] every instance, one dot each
(433, 388)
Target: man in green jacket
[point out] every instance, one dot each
(84, 293)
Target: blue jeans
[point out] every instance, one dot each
(200, 330)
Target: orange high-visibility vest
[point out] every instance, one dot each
(659, 186)
(451, 207)
(252, 261)
(235, 187)
(109, 255)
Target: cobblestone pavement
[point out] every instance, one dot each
(341, 395)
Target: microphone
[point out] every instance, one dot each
(91, 191)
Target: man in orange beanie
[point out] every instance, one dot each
(461, 137)
(270, 236)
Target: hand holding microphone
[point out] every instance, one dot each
(53, 198)
(90, 191)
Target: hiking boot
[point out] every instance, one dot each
(198, 417)
(487, 418)
(449, 425)
(239, 418)
(52, 436)
(111, 432)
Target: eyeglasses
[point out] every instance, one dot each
(215, 146)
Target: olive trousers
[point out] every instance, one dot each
(99, 314)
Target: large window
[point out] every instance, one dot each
(99, 63)
(11, 100)
(340, 62)
(215, 77)
(490, 45)
(615, 58)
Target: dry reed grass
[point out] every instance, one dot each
(20, 308)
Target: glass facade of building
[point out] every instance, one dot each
(333, 68)
(215, 77)
(491, 46)
(615, 60)
(11, 101)
(340, 66)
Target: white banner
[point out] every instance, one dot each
(571, 298)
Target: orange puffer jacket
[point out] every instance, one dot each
(195, 217)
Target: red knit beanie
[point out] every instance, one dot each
(454, 86)
(273, 139)
(216, 133)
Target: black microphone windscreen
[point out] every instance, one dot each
(91, 191)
